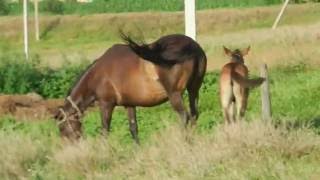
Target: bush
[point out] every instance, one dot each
(56, 83)
(52, 6)
(18, 76)
(4, 7)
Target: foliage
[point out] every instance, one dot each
(4, 7)
(110, 6)
(56, 83)
(52, 6)
(18, 76)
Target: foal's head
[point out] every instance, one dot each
(68, 120)
(236, 55)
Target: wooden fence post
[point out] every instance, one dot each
(265, 94)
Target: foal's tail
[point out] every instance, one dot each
(159, 52)
(245, 82)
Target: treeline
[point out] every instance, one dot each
(7, 7)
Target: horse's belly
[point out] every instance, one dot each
(150, 93)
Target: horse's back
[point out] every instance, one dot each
(133, 81)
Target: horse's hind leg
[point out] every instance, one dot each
(193, 93)
(133, 123)
(177, 104)
(193, 88)
(106, 116)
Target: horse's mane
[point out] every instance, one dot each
(80, 76)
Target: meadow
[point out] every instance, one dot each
(118, 6)
(286, 148)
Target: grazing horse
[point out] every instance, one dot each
(133, 75)
(235, 84)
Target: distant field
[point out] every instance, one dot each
(75, 37)
(118, 6)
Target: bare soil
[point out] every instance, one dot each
(30, 106)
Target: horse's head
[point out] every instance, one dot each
(236, 55)
(68, 120)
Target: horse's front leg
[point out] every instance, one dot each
(133, 123)
(176, 101)
(106, 116)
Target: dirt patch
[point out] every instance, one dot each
(30, 106)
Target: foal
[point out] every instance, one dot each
(235, 84)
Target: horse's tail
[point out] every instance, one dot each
(156, 52)
(245, 82)
(202, 62)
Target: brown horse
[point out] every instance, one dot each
(234, 85)
(137, 75)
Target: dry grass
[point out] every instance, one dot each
(75, 37)
(15, 153)
(284, 46)
(242, 151)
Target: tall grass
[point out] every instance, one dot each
(242, 151)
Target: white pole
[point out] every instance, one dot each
(280, 14)
(25, 28)
(36, 19)
(190, 18)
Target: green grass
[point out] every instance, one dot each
(76, 37)
(294, 90)
(254, 150)
(119, 6)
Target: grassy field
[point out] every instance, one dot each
(289, 148)
(77, 37)
(116, 6)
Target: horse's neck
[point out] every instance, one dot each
(81, 95)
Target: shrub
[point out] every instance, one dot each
(4, 7)
(56, 83)
(52, 6)
(19, 76)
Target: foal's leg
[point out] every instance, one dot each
(241, 101)
(244, 102)
(228, 117)
(177, 104)
(226, 99)
(106, 116)
(133, 123)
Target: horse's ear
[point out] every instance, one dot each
(245, 51)
(227, 51)
(56, 114)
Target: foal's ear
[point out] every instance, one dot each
(245, 51)
(227, 51)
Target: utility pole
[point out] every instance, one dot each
(25, 28)
(275, 24)
(190, 18)
(36, 19)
